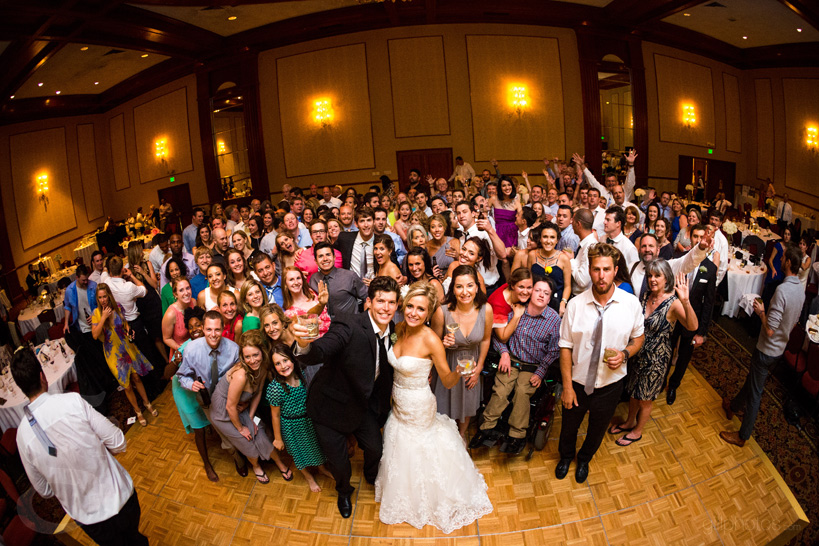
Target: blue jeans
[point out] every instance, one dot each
(750, 395)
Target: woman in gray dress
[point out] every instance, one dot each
(468, 320)
(235, 400)
(443, 248)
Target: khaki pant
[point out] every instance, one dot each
(504, 384)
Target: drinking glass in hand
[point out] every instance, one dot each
(310, 321)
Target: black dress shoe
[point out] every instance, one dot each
(562, 468)
(515, 445)
(345, 506)
(671, 396)
(478, 439)
(581, 472)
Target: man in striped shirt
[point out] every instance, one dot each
(525, 359)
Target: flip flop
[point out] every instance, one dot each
(628, 440)
(618, 429)
(262, 478)
(285, 474)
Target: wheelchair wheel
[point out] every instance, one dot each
(541, 436)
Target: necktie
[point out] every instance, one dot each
(40, 433)
(382, 355)
(594, 363)
(644, 286)
(362, 267)
(782, 213)
(609, 241)
(214, 370)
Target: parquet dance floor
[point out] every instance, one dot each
(679, 485)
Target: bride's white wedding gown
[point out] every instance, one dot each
(426, 476)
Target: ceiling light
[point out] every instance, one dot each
(744, 37)
(687, 14)
(84, 48)
(798, 30)
(232, 18)
(144, 55)
(96, 83)
(40, 84)
(58, 92)
(11, 97)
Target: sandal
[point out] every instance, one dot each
(628, 440)
(151, 409)
(618, 429)
(141, 419)
(262, 478)
(286, 473)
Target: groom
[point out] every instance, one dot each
(350, 394)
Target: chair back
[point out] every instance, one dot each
(763, 222)
(56, 331)
(47, 316)
(736, 239)
(9, 487)
(796, 339)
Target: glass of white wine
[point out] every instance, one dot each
(453, 327)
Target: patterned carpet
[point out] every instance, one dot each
(723, 362)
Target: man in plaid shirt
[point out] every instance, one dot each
(525, 359)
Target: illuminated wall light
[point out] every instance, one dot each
(689, 115)
(220, 147)
(812, 140)
(144, 55)
(631, 122)
(40, 84)
(84, 48)
(161, 149)
(323, 112)
(232, 18)
(42, 189)
(519, 98)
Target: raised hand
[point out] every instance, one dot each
(494, 162)
(707, 241)
(631, 156)
(524, 175)
(681, 287)
(579, 160)
(323, 294)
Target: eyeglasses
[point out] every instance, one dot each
(319, 231)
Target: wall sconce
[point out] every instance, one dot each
(812, 140)
(161, 150)
(221, 149)
(323, 112)
(42, 190)
(689, 115)
(520, 98)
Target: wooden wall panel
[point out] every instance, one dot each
(340, 75)
(764, 129)
(89, 174)
(119, 154)
(164, 117)
(419, 85)
(801, 111)
(733, 113)
(32, 154)
(682, 82)
(496, 64)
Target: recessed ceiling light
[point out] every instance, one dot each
(144, 55)
(11, 97)
(58, 92)
(40, 84)
(232, 18)
(687, 14)
(96, 83)
(84, 48)
(744, 37)
(798, 30)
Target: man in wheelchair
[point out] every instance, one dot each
(524, 362)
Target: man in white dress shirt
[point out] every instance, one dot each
(784, 212)
(720, 243)
(685, 264)
(582, 226)
(598, 321)
(599, 213)
(462, 170)
(329, 200)
(613, 226)
(67, 450)
(606, 192)
(98, 265)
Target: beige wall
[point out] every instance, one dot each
(427, 87)
(96, 166)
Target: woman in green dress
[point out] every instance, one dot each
(124, 359)
(253, 298)
(287, 396)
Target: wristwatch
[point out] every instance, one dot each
(625, 352)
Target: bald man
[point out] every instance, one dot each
(221, 245)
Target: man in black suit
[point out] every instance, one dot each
(703, 287)
(356, 247)
(351, 392)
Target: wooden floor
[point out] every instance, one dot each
(679, 485)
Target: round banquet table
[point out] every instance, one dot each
(59, 371)
(84, 251)
(49, 263)
(70, 272)
(741, 281)
(28, 321)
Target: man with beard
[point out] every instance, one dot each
(685, 264)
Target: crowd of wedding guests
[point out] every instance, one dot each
(580, 276)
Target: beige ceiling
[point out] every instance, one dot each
(764, 22)
(72, 71)
(247, 16)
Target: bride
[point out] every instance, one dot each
(426, 476)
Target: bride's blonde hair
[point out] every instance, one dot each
(422, 288)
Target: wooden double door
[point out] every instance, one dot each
(436, 162)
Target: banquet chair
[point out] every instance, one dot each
(754, 244)
(18, 533)
(47, 316)
(56, 331)
(736, 239)
(797, 229)
(775, 229)
(78, 260)
(763, 223)
(747, 208)
(794, 356)
(29, 337)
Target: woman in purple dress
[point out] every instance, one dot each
(506, 206)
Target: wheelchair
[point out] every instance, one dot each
(542, 405)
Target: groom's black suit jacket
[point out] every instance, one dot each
(344, 389)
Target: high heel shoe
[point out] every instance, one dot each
(151, 409)
(141, 419)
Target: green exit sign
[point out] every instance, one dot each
(173, 178)
(710, 151)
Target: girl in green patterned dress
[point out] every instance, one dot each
(287, 396)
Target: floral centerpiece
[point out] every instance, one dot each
(639, 192)
(729, 228)
(690, 189)
(769, 204)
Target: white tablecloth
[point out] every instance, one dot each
(59, 371)
(49, 263)
(765, 235)
(70, 272)
(85, 250)
(741, 281)
(28, 321)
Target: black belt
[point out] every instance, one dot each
(292, 417)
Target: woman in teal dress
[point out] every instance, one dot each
(124, 359)
(547, 261)
(253, 299)
(292, 428)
